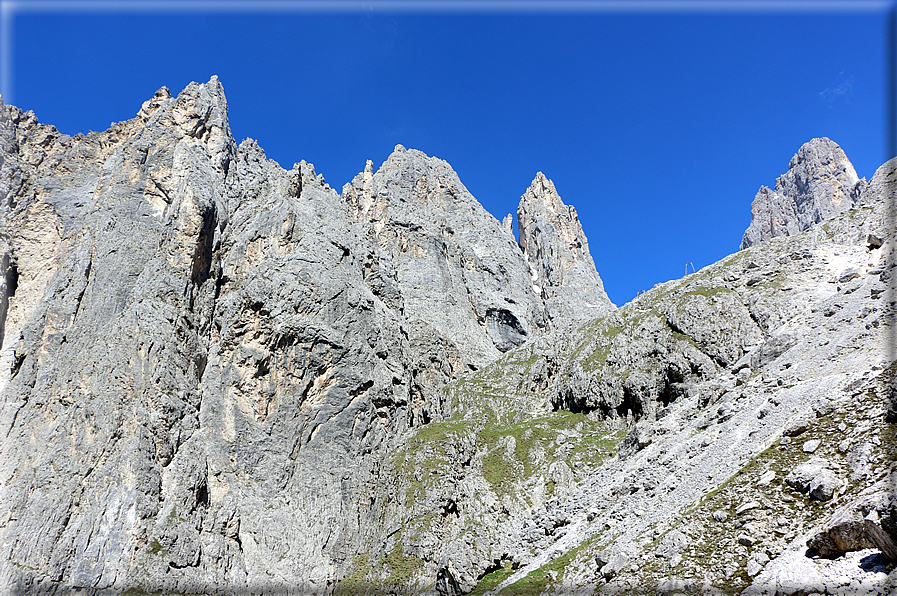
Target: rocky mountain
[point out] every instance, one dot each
(457, 268)
(820, 183)
(221, 376)
(558, 253)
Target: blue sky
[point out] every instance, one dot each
(659, 126)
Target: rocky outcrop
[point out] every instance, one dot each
(453, 264)
(715, 418)
(205, 356)
(184, 346)
(820, 183)
(457, 268)
(562, 269)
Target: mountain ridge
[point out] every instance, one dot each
(222, 376)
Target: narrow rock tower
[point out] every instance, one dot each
(556, 248)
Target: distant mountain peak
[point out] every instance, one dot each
(819, 184)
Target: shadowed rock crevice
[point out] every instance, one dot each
(504, 329)
(9, 277)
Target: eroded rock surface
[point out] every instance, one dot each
(680, 416)
(221, 376)
(555, 246)
(820, 183)
(207, 358)
(454, 265)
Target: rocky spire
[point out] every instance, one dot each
(819, 184)
(508, 224)
(556, 248)
(454, 265)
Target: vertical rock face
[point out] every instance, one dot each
(205, 357)
(111, 236)
(555, 247)
(197, 369)
(453, 263)
(220, 376)
(819, 184)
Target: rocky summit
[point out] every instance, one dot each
(221, 377)
(820, 183)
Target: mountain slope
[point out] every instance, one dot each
(206, 356)
(220, 376)
(695, 439)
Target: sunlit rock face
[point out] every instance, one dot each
(221, 376)
(451, 262)
(206, 358)
(556, 248)
(820, 183)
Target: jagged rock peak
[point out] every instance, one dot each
(443, 248)
(819, 184)
(432, 181)
(542, 197)
(554, 244)
(508, 224)
(154, 103)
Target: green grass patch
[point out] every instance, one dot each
(354, 583)
(489, 581)
(595, 442)
(155, 548)
(401, 568)
(707, 292)
(552, 573)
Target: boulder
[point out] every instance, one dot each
(611, 562)
(816, 477)
(673, 543)
(824, 485)
(811, 446)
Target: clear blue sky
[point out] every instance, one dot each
(658, 127)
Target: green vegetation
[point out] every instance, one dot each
(354, 583)
(552, 573)
(707, 292)
(686, 338)
(712, 540)
(597, 442)
(489, 581)
(492, 419)
(401, 568)
(155, 548)
(601, 330)
(598, 357)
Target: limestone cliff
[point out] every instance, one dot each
(221, 376)
(452, 263)
(820, 183)
(206, 357)
(556, 248)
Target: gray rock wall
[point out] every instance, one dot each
(820, 183)
(557, 250)
(221, 376)
(207, 359)
(452, 262)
